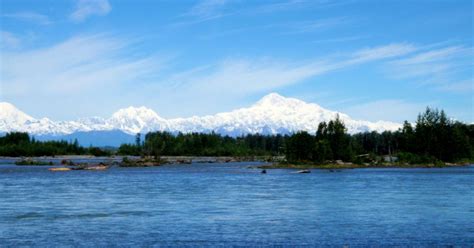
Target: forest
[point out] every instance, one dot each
(16, 144)
(433, 138)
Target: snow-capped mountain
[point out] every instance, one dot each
(271, 115)
(134, 120)
(274, 114)
(12, 118)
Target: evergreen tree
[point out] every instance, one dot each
(300, 147)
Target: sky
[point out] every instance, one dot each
(373, 60)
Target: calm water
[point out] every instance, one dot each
(229, 204)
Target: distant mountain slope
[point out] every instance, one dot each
(270, 115)
(95, 138)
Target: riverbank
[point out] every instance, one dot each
(357, 166)
(136, 161)
(133, 161)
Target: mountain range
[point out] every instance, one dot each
(272, 114)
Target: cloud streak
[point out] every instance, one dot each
(466, 87)
(232, 80)
(207, 9)
(29, 16)
(440, 67)
(82, 66)
(340, 39)
(382, 52)
(204, 10)
(288, 5)
(246, 76)
(86, 8)
(98, 66)
(313, 26)
(76, 64)
(9, 40)
(387, 109)
(280, 6)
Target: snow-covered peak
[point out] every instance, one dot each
(12, 118)
(137, 119)
(272, 114)
(276, 100)
(9, 112)
(142, 113)
(272, 98)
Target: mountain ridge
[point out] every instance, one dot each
(272, 114)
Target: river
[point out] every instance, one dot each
(229, 204)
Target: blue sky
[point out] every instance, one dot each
(374, 60)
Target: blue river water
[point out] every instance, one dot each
(233, 205)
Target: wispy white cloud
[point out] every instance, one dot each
(340, 39)
(338, 102)
(86, 8)
(255, 75)
(428, 64)
(315, 25)
(8, 40)
(242, 76)
(387, 109)
(231, 80)
(204, 10)
(79, 64)
(29, 17)
(96, 67)
(287, 5)
(83, 67)
(207, 8)
(440, 67)
(433, 56)
(465, 86)
(382, 52)
(196, 91)
(280, 6)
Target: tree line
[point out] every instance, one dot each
(16, 144)
(204, 144)
(434, 137)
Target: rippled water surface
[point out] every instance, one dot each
(230, 204)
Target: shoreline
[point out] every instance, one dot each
(57, 160)
(177, 160)
(358, 166)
